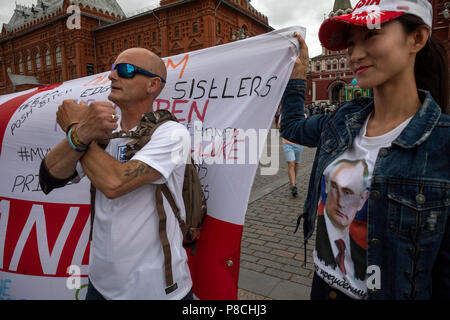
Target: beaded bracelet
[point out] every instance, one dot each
(70, 126)
(77, 140)
(71, 143)
(77, 146)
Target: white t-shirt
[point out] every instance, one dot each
(127, 260)
(341, 240)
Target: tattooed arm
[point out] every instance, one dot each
(114, 178)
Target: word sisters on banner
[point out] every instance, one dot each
(225, 95)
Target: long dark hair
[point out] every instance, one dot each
(431, 66)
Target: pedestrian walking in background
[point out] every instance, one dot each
(293, 156)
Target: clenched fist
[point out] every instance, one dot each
(70, 111)
(96, 121)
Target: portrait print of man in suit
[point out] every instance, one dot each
(346, 186)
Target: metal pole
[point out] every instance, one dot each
(160, 31)
(215, 28)
(95, 53)
(14, 63)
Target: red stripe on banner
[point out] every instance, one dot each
(8, 108)
(215, 265)
(22, 250)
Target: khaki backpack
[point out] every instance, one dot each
(193, 197)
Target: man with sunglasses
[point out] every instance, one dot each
(127, 260)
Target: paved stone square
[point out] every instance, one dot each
(272, 256)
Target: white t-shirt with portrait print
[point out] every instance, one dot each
(127, 260)
(348, 274)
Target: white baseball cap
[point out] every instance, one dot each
(371, 13)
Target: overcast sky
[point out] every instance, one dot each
(281, 14)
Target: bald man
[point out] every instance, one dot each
(126, 260)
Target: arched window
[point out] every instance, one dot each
(48, 60)
(38, 61)
(20, 66)
(29, 67)
(58, 56)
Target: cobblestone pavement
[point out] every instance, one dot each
(272, 256)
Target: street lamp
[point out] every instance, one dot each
(240, 34)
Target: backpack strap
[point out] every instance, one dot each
(186, 230)
(171, 286)
(168, 195)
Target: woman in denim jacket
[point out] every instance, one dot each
(380, 184)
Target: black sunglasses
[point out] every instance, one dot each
(127, 70)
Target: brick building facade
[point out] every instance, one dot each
(441, 21)
(37, 42)
(329, 71)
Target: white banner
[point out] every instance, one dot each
(226, 96)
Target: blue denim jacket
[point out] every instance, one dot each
(408, 232)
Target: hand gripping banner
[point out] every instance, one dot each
(225, 95)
